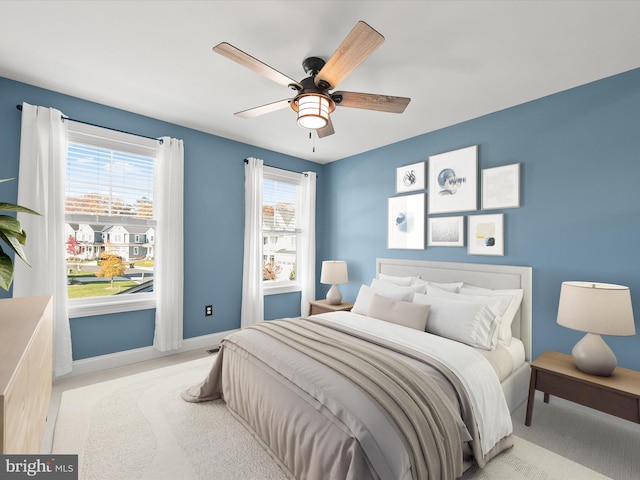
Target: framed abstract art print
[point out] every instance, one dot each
(406, 219)
(501, 187)
(410, 178)
(486, 234)
(453, 181)
(445, 232)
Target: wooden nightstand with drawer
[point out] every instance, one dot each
(555, 374)
(322, 306)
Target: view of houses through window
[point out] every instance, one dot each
(109, 221)
(280, 217)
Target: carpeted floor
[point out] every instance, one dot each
(601, 442)
(138, 427)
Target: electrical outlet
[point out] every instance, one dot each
(208, 310)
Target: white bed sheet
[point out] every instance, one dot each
(516, 351)
(505, 359)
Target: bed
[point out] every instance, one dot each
(368, 394)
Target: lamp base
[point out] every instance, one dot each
(334, 297)
(592, 355)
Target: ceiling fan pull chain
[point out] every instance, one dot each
(313, 142)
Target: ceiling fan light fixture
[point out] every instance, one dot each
(313, 111)
(313, 103)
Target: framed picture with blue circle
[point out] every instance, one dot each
(406, 222)
(453, 181)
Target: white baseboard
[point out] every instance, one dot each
(128, 357)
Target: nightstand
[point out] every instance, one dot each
(322, 306)
(555, 374)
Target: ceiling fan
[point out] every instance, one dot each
(313, 101)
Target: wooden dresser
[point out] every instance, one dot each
(26, 326)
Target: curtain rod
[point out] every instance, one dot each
(285, 169)
(19, 107)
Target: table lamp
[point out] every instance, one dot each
(598, 309)
(334, 272)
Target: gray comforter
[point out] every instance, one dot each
(326, 404)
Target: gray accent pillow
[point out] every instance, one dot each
(412, 315)
(365, 294)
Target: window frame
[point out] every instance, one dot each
(271, 287)
(101, 137)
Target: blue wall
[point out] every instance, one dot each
(214, 220)
(579, 219)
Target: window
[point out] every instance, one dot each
(109, 191)
(281, 207)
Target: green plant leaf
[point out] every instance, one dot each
(15, 245)
(14, 236)
(6, 270)
(21, 237)
(10, 225)
(12, 207)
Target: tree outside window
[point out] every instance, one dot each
(111, 266)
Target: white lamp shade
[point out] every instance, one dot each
(313, 111)
(601, 308)
(334, 272)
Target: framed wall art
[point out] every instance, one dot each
(445, 232)
(453, 181)
(501, 187)
(410, 178)
(405, 227)
(486, 234)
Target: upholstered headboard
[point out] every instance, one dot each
(480, 275)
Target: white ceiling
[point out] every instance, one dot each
(457, 60)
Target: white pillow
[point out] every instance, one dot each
(402, 281)
(453, 287)
(508, 314)
(366, 293)
(497, 303)
(412, 315)
(474, 324)
(386, 285)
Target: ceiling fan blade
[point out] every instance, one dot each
(232, 53)
(371, 101)
(353, 50)
(261, 110)
(326, 130)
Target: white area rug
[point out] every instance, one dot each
(139, 427)
(527, 460)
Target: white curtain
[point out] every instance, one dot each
(252, 290)
(169, 245)
(308, 242)
(43, 158)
